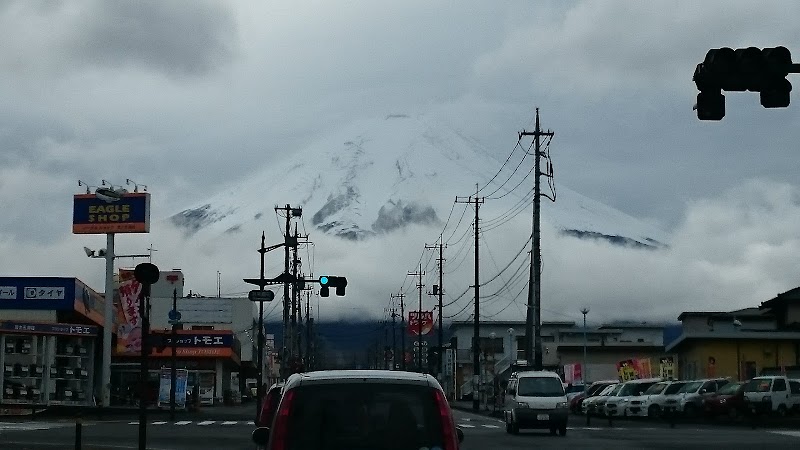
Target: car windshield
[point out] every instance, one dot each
(655, 389)
(596, 390)
(540, 387)
(691, 387)
(364, 416)
(615, 390)
(758, 385)
(729, 389)
(673, 388)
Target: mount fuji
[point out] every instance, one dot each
(381, 175)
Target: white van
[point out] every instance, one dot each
(536, 399)
(769, 394)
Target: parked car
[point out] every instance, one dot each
(597, 405)
(639, 405)
(769, 394)
(593, 389)
(667, 400)
(361, 409)
(616, 405)
(270, 405)
(727, 401)
(536, 400)
(695, 393)
(794, 387)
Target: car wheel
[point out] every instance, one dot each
(562, 430)
(690, 410)
(654, 411)
(553, 431)
(781, 410)
(733, 413)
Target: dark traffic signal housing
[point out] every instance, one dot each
(327, 281)
(744, 69)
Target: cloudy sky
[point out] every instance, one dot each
(188, 97)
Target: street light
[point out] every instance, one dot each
(584, 369)
(512, 352)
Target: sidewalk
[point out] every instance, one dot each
(246, 411)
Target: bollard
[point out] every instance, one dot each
(610, 422)
(588, 417)
(78, 426)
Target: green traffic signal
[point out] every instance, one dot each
(323, 280)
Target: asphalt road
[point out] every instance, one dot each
(480, 433)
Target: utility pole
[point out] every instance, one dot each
(393, 311)
(309, 324)
(533, 318)
(402, 330)
(419, 274)
(295, 299)
(440, 291)
(289, 241)
(476, 347)
(260, 342)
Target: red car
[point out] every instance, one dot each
(270, 405)
(727, 401)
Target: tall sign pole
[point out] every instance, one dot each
(173, 357)
(108, 321)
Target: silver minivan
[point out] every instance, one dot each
(536, 399)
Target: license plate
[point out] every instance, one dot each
(542, 417)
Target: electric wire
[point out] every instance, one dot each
(501, 167)
(512, 173)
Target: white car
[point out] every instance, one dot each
(640, 405)
(617, 405)
(769, 394)
(668, 398)
(536, 399)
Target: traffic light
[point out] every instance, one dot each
(326, 282)
(744, 69)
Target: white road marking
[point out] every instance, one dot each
(491, 426)
(466, 425)
(183, 422)
(206, 422)
(133, 423)
(229, 422)
(251, 422)
(29, 426)
(160, 422)
(787, 433)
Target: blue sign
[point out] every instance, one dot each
(130, 214)
(37, 293)
(199, 340)
(49, 328)
(174, 315)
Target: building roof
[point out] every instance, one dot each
(792, 295)
(749, 313)
(512, 323)
(632, 324)
(768, 335)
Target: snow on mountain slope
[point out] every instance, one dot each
(377, 176)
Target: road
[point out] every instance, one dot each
(480, 432)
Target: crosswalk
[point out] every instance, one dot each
(201, 423)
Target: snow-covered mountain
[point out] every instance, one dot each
(377, 176)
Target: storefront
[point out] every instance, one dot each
(49, 339)
(209, 356)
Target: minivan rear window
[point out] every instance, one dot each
(361, 416)
(540, 387)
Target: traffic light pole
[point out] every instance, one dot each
(419, 316)
(440, 292)
(402, 330)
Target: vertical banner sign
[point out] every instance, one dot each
(643, 368)
(129, 331)
(165, 381)
(666, 367)
(414, 318)
(627, 370)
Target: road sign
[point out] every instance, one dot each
(261, 296)
(174, 315)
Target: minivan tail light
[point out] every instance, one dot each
(280, 432)
(448, 424)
